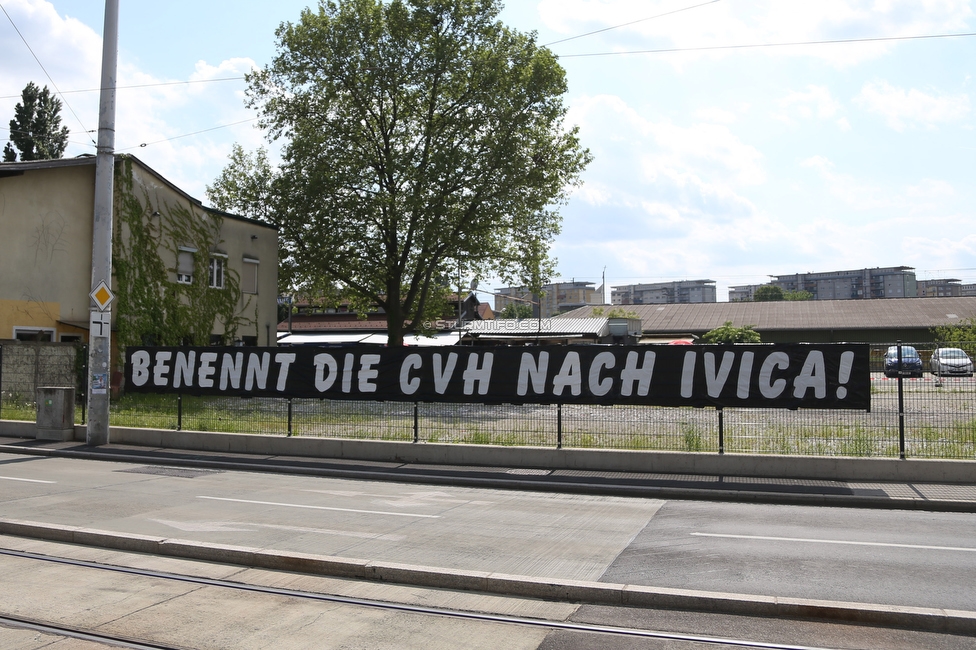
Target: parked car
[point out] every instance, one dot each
(951, 361)
(911, 363)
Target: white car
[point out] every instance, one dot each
(950, 361)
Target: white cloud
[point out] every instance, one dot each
(69, 51)
(716, 115)
(815, 102)
(635, 158)
(175, 120)
(900, 107)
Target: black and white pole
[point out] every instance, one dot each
(100, 320)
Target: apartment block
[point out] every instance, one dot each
(684, 292)
(940, 288)
(861, 284)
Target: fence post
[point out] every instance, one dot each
(1, 380)
(559, 426)
(289, 417)
(901, 408)
(179, 411)
(416, 423)
(721, 430)
(84, 385)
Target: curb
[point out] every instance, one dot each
(152, 457)
(576, 591)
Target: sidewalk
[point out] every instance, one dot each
(889, 495)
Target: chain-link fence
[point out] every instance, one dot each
(26, 366)
(931, 416)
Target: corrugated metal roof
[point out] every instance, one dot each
(888, 313)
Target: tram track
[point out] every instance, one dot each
(139, 644)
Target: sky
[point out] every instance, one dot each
(732, 139)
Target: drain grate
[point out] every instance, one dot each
(179, 472)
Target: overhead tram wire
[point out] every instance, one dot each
(633, 22)
(152, 85)
(186, 135)
(46, 73)
(760, 45)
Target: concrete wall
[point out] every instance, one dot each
(800, 467)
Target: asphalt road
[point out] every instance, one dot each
(893, 557)
(887, 557)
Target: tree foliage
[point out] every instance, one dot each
(960, 333)
(36, 129)
(768, 293)
(614, 312)
(420, 137)
(728, 333)
(797, 295)
(516, 310)
(246, 187)
(151, 308)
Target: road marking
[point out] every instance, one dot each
(407, 499)
(296, 505)
(25, 480)
(229, 526)
(840, 541)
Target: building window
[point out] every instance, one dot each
(184, 265)
(45, 334)
(249, 276)
(216, 273)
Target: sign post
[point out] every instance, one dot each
(100, 321)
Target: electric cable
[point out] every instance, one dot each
(633, 22)
(707, 48)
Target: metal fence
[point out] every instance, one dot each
(927, 417)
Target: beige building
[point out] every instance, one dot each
(182, 273)
(557, 298)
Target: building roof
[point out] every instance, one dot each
(16, 168)
(333, 323)
(886, 313)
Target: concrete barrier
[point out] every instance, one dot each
(665, 462)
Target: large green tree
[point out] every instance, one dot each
(768, 293)
(420, 137)
(36, 129)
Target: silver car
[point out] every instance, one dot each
(950, 361)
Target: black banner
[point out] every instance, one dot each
(829, 376)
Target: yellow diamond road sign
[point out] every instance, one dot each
(102, 295)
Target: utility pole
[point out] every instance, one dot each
(100, 315)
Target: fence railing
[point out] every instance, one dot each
(926, 417)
